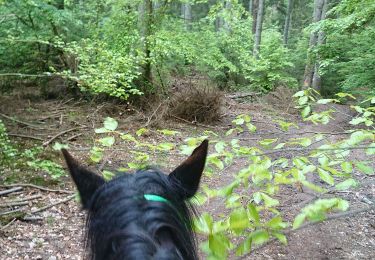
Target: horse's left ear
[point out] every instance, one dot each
(188, 174)
(86, 181)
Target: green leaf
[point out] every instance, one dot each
(168, 132)
(259, 237)
(141, 131)
(306, 111)
(345, 185)
(326, 101)
(357, 120)
(341, 94)
(363, 167)
(268, 201)
(279, 146)
(128, 137)
(371, 149)
(276, 223)
(267, 142)
(96, 154)
(298, 220)
(107, 141)
(299, 93)
(281, 237)
(326, 176)
(215, 161)
(107, 175)
(253, 213)
(219, 147)
(57, 146)
(252, 128)
(110, 124)
(230, 131)
(219, 245)
(165, 146)
(244, 247)
(203, 224)
(347, 167)
(303, 100)
(101, 130)
(238, 220)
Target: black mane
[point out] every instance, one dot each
(122, 224)
(145, 215)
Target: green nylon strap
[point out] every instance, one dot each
(153, 197)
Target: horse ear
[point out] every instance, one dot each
(188, 174)
(86, 181)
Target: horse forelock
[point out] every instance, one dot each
(121, 224)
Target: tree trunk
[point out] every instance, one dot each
(228, 7)
(258, 31)
(310, 67)
(254, 14)
(287, 21)
(186, 15)
(145, 11)
(251, 2)
(316, 81)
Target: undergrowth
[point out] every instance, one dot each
(250, 198)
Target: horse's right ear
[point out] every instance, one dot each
(86, 181)
(187, 176)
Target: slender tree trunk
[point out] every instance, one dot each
(251, 2)
(145, 11)
(254, 14)
(258, 31)
(287, 21)
(186, 15)
(316, 81)
(310, 67)
(227, 7)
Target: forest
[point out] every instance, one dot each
(283, 90)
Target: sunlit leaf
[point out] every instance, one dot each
(110, 124)
(107, 141)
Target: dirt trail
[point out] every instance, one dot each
(60, 234)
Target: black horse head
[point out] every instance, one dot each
(143, 215)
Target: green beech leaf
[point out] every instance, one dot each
(252, 128)
(306, 111)
(259, 237)
(238, 220)
(203, 224)
(101, 130)
(346, 184)
(326, 176)
(110, 124)
(107, 175)
(363, 167)
(107, 141)
(219, 147)
(268, 201)
(267, 142)
(168, 132)
(281, 237)
(298, 220)
(57, 146)
(253, 213)
(141, 131)
(165, 146)
(347, 167)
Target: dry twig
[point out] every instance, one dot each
(14, 189)
(35, 186)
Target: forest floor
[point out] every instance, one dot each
(58, 234)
